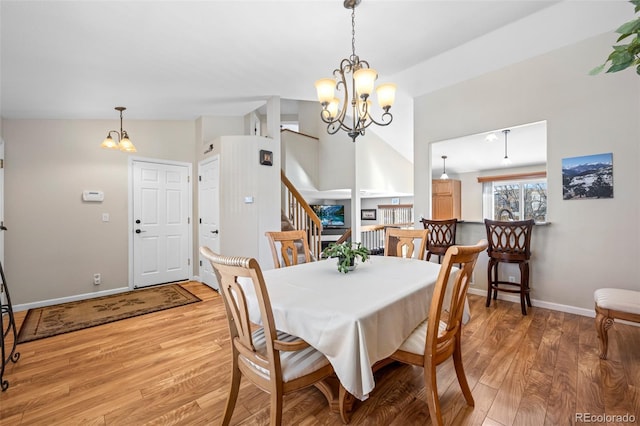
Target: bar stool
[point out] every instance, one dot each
(509, 242)
(442, 235)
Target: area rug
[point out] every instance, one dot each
(72, 316)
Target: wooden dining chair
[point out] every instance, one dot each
(402, 242)
(442, 235)
(294, 247)
(274, 361)
(439, 337)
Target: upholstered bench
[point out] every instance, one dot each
(614, 303)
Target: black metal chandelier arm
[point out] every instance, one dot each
(333, 128)
(384, 122)
(116, 132)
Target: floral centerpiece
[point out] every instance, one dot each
(346, 253)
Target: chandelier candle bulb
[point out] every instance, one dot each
(365, 79)
(325, 88)
(386, 95)
(333, 107)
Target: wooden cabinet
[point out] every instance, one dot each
(445, 199)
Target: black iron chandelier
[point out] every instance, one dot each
(362, 79)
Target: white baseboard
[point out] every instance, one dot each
(539, 303)
(548, 305)
(25, 306)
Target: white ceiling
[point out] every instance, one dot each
(167, 60)
(526, 145)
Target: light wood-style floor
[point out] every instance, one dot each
(171, 367)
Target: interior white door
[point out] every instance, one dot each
(161, 243)
(209, 215)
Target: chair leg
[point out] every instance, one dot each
(524, 294)
(603, 324)
(234, 389)
(527, 284)
(489, 283)
(276, 409)
(462, 378)
(431, 389)
(496, 265)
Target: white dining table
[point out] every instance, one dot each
(354, 319)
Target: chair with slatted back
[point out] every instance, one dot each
(274, 361)
(442, 235)
(402, 242)
(439, 337)
(294, 247)
(509, 242)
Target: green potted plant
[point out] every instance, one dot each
(346, 253)
(625, 55)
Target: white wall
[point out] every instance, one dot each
(590, 243)
(300, 159)
(242, 225)
(379, 166)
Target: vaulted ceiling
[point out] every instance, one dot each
(184, 59)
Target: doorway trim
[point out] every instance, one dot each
(130, 227)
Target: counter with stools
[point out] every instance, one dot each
(509, 242)
(442, 235)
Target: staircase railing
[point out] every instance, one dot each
(302, 216)
(371, 236)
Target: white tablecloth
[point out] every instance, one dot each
(355, 319)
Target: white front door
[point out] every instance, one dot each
(161, 210)
(209, 214)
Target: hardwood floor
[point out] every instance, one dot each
(171, 367)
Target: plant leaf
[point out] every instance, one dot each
(620, 66)
(629, 27)
(597, 70)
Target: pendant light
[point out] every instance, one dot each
(356, 80)
(123, 143)
(506, 161)
(444, 175)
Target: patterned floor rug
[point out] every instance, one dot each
(58, 319)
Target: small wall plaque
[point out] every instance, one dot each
(266, 157)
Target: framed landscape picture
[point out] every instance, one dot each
(587, 177)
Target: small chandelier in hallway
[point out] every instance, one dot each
(123, 144)
(361, 80)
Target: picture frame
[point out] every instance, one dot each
(587, 177)
(266, 157)
(368, 214)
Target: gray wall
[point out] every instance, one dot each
(590, 243)
(56, 242)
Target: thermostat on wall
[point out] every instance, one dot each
(92, 196)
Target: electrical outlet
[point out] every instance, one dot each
(97, 279)
(512, 279)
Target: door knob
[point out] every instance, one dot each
(137, 220)
(214, 232)
(139, 231)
